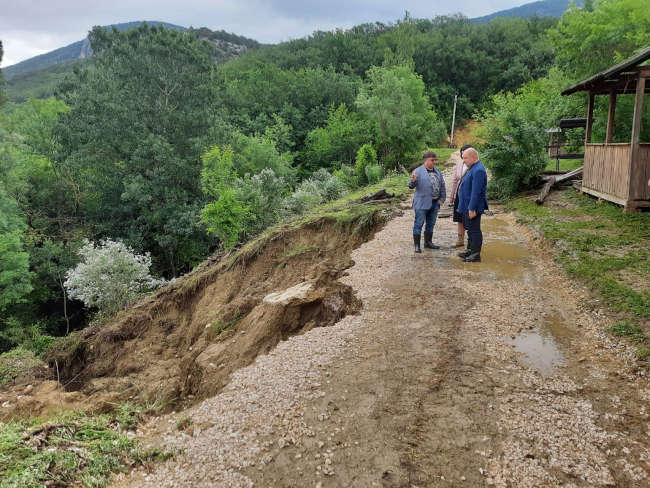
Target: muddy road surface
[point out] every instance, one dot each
(496, 373)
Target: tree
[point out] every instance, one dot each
(337, 142)
(588, 41)
(395, 101)
(140, 117)
(15, 278)
(110, 276)
(366, 157)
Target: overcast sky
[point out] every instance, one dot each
(32, 27)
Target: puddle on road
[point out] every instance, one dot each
(503, 257)
(540, 346)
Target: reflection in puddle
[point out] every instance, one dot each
(542, 352)
(503, 258)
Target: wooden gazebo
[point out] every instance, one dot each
(618, 172)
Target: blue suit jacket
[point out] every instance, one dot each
(472, 193)
(423, 199)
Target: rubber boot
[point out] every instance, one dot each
(427, 241)
(467, 251)
(473, 257)
(416, 242)
(460, 242)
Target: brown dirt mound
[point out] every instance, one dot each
(182, 343)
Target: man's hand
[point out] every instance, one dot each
(440, 202)
(472, 214)
(414, 177)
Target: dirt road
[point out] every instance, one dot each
(481, 374)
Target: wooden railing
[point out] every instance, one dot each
(607, 170)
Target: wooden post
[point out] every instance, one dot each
(637, 183)
(638, 110)
(610, 117)
(590, 117)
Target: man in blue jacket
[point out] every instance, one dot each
(472, 203)
(430, 193)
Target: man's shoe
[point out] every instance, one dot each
(427, 241)
(463, 254)
(474, 257)
(416, 242)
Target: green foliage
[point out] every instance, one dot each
(251, 154)
(217, 173)
(394, 100)
(366, 156)
(587, 41)
(251, 93)
(320, 188)
(14, 363)
(338, 142)
(15, 277)
(76, 449)
(374, 173)
(632, 331)
(223, 218)
(347, 175)
(31, 337)
(602, 246)
(263, 195)
(140, 117)
(514, 153)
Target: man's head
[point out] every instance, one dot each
(429, 158)
(464, 148)
(470, 156)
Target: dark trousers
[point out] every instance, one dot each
(474, 234)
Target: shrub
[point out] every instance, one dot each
(110, 275)
(347, 175)
(15, 362)
(327, 185)
(300, 201)
(514, 153)
(321, 187)
(31, 337)
(365, 157)
(264, 195)
(374, 173)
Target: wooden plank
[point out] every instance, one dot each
(553, 180)
(604, 196)
(610, 117)
(590, 118)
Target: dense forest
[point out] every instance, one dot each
(154, 150)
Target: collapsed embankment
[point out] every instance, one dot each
(181, 343)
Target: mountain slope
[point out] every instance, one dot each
(76, 50)
(543, 8)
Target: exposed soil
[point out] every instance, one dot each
(481, 374)
(182, 344)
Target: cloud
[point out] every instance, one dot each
(32, 27)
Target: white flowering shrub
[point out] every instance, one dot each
(321, 187)
(110, 276)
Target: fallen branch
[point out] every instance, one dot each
(553, 180)
(380, 195)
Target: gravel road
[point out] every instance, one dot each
(481, 374)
